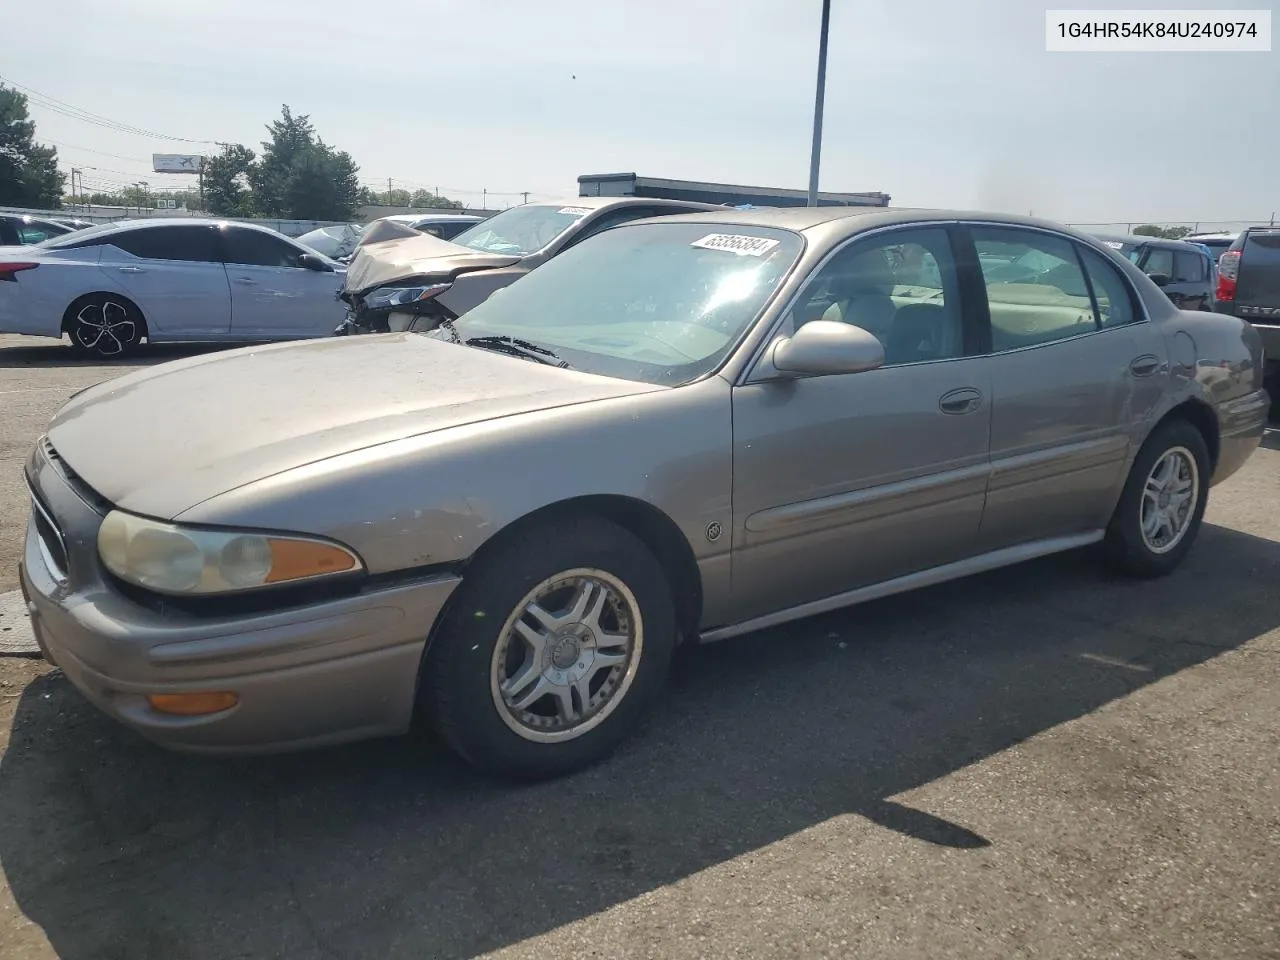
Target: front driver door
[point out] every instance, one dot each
(847, 480)
(272, 295)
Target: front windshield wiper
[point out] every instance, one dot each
(517, 348)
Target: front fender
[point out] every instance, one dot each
(437, 498)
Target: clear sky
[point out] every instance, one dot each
(937, 102)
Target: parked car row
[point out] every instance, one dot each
(675, 429)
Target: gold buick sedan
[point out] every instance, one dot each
(679, 430)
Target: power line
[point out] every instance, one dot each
(78, 113)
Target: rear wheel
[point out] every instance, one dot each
(106, 326)
(1161, 508)
(552, 650)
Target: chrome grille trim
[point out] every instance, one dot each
(54, 554)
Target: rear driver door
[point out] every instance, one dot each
(174, 275)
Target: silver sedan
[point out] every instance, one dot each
(679, 430)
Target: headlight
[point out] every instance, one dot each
(386, 297)
(177, 560)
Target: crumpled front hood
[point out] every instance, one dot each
(161, 440)
(392, 260)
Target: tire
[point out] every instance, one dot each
(106, 326)
(483, 641)
(1142, 555)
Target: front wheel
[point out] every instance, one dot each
(106, 326)
(1162, 506)
(552, 650)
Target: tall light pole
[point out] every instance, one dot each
(816, 156)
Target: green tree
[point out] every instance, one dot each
(1167, 233)
(425, 198)
(301, 177)
(226, 182)
(29, 175)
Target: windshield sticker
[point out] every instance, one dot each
(574, 211)
(1114, 244)
(733, 243)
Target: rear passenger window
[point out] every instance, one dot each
(1036, 291)
(168, 243)
(1188, 267)
(1115, 305)
(900, 286)
(1158, 261)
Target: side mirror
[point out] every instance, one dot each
(823, 347)
(313, 262)
(1160, 279)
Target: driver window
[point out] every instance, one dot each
(900, 286)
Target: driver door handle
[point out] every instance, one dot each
(246, 281)
(960, 401)
(132, 270)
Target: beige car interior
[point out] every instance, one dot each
(906, 307)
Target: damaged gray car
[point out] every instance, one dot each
(416, 281)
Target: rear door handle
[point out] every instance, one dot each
(1145, 365)
(132, 270)
(962, 400)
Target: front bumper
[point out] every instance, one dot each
(329, 672)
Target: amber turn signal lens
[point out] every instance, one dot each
(192, 704)
(299, 559)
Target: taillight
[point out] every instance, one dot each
(7, 270)
(1228, 271)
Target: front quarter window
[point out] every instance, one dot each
(660, 303)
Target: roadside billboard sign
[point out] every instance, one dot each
(176, 162)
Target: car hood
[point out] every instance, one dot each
(159, 441)
(392, 260)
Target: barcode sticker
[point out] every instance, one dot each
(735, 243)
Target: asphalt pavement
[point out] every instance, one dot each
(1038, 762)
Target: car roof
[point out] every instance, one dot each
(423, 217)
(148, 223)
(1166, 242)
(834, 224)
(600, 203)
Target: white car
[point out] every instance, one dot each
(110, 286)
(336, 241)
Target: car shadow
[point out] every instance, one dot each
(1271, 438)
(392, 849)
(52, 353)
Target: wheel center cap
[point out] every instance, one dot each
(565, 652)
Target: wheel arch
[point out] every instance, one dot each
(79, 302)
(1201, 416)
(653, 527)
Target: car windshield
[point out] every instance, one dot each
(521, 230)
(660, 303)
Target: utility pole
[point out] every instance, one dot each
(388, 191)
(74, 174)
(484, 198)
(815, 156)
(201, 176)
(524, 194)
